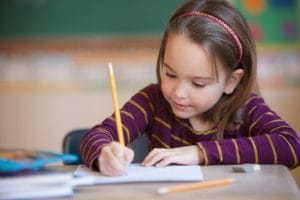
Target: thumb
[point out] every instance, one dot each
(128, 155)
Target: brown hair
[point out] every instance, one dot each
(220, 45)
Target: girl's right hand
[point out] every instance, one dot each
(114, 159)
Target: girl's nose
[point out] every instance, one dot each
(180, 91)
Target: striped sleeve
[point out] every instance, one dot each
(136, 114)
(265, 139)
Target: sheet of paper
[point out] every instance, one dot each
(137, 173)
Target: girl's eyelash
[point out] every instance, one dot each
(170, 75)
(199, 85)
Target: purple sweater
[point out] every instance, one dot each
(261, 136)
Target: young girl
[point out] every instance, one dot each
(204, 109)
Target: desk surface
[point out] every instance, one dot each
(271, 182)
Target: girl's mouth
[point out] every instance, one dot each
(180, 107)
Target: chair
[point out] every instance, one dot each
(71, 143)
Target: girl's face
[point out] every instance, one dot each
(188, 80)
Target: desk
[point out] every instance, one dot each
(273, 182)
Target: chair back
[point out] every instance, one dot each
(71, 144)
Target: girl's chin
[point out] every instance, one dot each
(182, 115)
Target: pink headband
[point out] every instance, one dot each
(222, 24)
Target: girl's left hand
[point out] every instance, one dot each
(188, 155)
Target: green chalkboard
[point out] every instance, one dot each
(271, 21)
(29, 18)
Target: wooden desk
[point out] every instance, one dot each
(273, 182)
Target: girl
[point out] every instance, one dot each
(205, 108)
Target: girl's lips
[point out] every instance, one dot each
(180, 107)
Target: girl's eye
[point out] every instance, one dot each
(198, 85)
(170, 75)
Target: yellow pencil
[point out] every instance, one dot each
(116, 104)
(194, 186)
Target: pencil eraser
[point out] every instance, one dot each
(246, 168)
(162, 191)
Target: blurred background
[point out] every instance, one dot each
(54, 55)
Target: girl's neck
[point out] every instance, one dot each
(199, 124)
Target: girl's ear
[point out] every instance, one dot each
(233, 81)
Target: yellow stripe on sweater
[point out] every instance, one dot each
(147, 97)
(254, 150)
(160, 141)
(204, 153)
(237, 153)
(273, 148)
(219, 151)
(292, 151)
(180, 140)
(254, 123)
(162, 122)
(141, 109)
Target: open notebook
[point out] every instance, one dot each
(137, 173)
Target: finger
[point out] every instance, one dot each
(113, 167)
(119, 165)
(117, 150)
(123, 154)
(150, 155)
(109, 163)
(128, 155)
(165, 161)
(157, 157)
(148, 158)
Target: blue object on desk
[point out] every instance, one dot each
(12, 160)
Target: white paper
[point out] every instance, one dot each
(138, 173)
(39, 191)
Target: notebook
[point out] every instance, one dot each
(28, 184)
(42, 176)
(138, 173)
(36, 191)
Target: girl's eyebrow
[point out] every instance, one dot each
(195, 77)
(203, 78)
(168, 66)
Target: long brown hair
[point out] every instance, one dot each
(220, 45)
